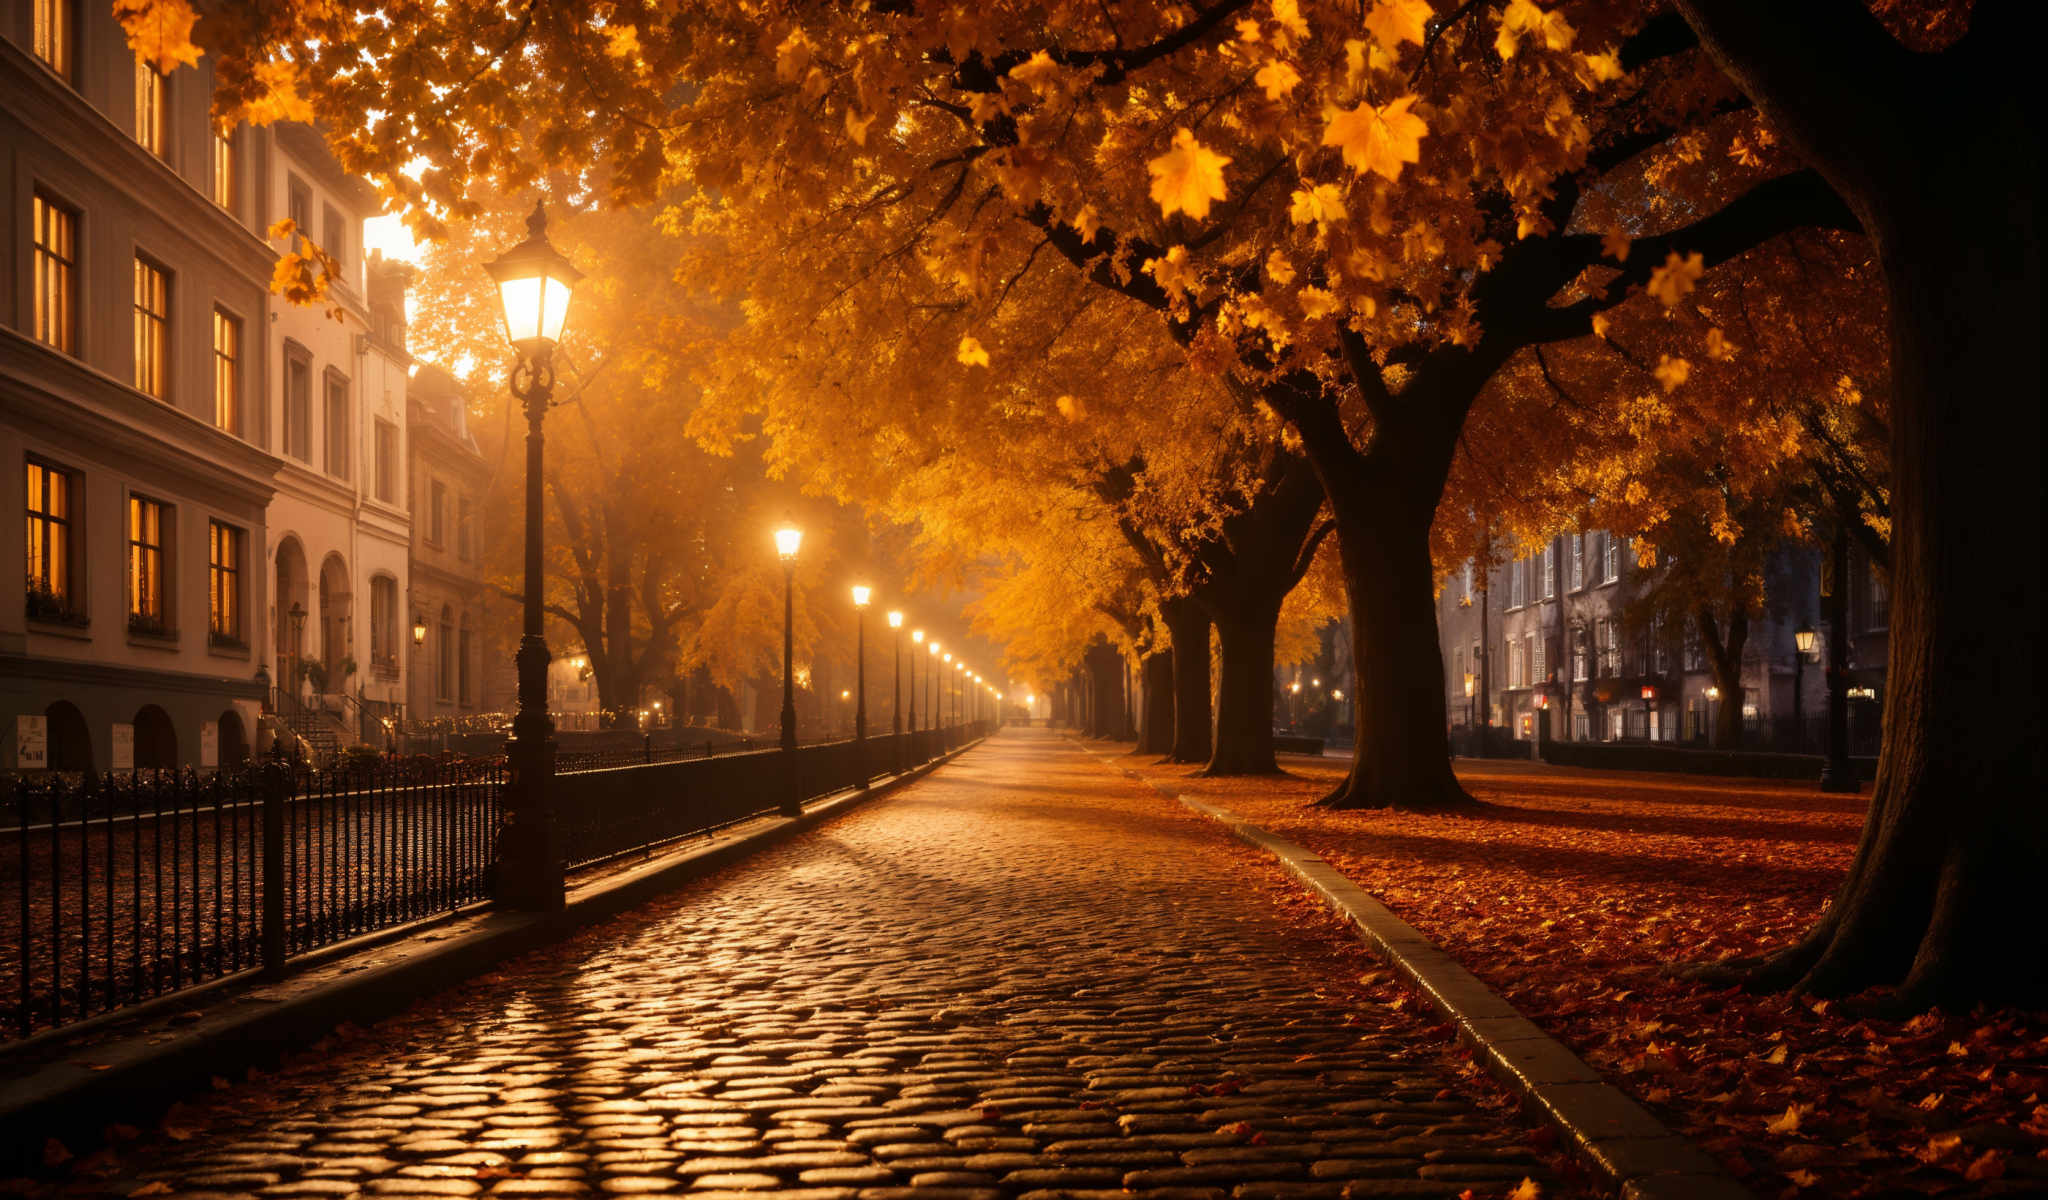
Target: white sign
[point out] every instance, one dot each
(124, 747)
(209, 743)
(31, 743)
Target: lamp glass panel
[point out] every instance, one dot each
(554, 309)
(787, 541)
(521, 300)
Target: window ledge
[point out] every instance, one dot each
(79, 630)
(235, 650)
(167, 640)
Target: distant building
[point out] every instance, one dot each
(340, 533)
(133, 366)
(1544, 639)
(454, 674)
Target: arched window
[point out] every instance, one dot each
(234, 741)
(156, 743)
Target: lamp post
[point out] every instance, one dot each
(933, 716)
(1649, 698)
(1802, 646)
(788, 540)
(535, 283)
(1713, 694)
(1293, 698)
(1471, 685)
(916, 640)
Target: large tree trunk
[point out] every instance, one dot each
(1187, 627)
(1244, 691)
(1956, 839)
(1402, 756)
(1724, 656)
(1155, 717)
(1102, 673)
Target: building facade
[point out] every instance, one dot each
(454, 675)
(340, 533)
(133, 360)
(1545, 640)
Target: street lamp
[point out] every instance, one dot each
(419, 631)
(917, 639)
(1471, 685)
(931, 691)
(535, 283)
(1802, 647)
(1713, 693)
(861, 595)
(788, 540)
(1649, 698)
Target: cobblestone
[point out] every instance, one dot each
(1019, 978)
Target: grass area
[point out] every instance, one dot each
(1572, 892)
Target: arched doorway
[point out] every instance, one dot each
(156, 743)
(70, 740)
(234, 740)
(334, 610)
(291, 592)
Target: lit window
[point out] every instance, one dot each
(224, 168)
(227, 372)
(53, 35)
(145, 565)
(56, 260)
(224, 563)
(149, 109)
(49, 541)
(298, 404)
(152, 328)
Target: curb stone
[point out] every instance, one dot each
(74, 1097)
(1613, 1136)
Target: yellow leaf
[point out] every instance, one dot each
(1604, 67)
(622, 41)
(1392, 22)
(1930, 1101)
(1188, 177)
(155, 1187)
(1802, 1178)
(1557, 32)
(1278, 269)
(159, 32)
(793, 57)
(1528, 1189)
(1288, 14)
(1789, 1123)
(971, 354)
(857, 126)
(1324, 203)
(1039, 72)
(1670, 282)
(1380, 139)
(1614, 243)
(1777, 1055)
(1317, 302)
(280, 99)
(1073, 408)
(1671, 372)
(1600, 323)
(1719, 348)
(1277, 78)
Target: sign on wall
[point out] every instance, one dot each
(31, 743)
(124, 747)
(209, 743)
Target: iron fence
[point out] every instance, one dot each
(129, 887)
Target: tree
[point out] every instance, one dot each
(1950, 193)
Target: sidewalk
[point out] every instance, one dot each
(1020, 976)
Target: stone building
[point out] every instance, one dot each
(456, 676)
(133, 360)
(1544, 638)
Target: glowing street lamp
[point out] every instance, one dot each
(861, 595)
(916, 639)
(1803, 639)
(896, 685)
(535, 283)
(419, 630)
(788, 540)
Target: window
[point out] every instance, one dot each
(298, 404)
(1540, 668)
(1513, 654)
(333, 235)
(462, 528)
(224, 168)
(149, 109)
(50, 550)
(56, 263)
(337, 438)
(146, 591)
(1611, 564)
(387, 461)
(152, 328)
(224, 584)
(227, 372)
(444, 681)
(1468, 581)
(300, 206)
(462, 657)
(1578, 637)
(437, 504)
(1609, 634)
(1518, 585)
(1880, 599)
(1577, 554)
(54, 34)
(384, 626)
(1550, 570)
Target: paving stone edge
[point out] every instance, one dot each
(132, 1080)
(1613, 1136)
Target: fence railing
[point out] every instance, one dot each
(118, 889)
(123, 888)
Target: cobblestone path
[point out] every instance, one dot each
(1022, 976)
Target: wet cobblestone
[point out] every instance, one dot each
(1021, 977)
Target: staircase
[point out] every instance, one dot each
(318, 732)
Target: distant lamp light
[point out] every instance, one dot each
(1295, 687)
(933, 646)
(419, 630)
(535, 283)
(861, 595)
(1713, 693)
(1543, 699)
(1470, 683)
(846, 693)
(917, 635)
(1649, 693)
(1315, 683)
(895, 618)
(946, 657)
(1336, 693)
(1803, 638)
(788, 540)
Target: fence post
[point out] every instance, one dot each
(273, 780)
